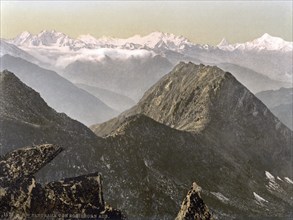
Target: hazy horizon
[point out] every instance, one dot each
(201, 22)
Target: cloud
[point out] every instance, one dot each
(62, 59)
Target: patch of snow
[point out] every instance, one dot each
(269, 175)
(220, 196)
(259, 198)
(272, 181)
(288, 180)
(279, 179)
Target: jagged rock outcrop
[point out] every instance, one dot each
(22, 197)
(193, 207)
(16, 181)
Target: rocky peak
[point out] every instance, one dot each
(205, 100)
(183, 99)
(192, 97)
(193, 206)
(223, 43)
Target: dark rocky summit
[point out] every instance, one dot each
(193, 207)
(22, 197)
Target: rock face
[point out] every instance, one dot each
(22, 197)
(198, 122)
(193, 207)
(280, 102)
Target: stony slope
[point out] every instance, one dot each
(58, 92)
(222, 136)
(160, 162)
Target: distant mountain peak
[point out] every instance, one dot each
(24, 34)
(265, 42)
(266, 35)
(223, 43)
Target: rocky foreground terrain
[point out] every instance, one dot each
(198, 123)
(22, 197)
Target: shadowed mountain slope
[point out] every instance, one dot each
(25, 120)
(58, 92)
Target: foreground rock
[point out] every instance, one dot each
(193, 207)
(22, 197)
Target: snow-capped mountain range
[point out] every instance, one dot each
(267, 56)
(58, 39)
(153, 40)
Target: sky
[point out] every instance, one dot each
(205, 22)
